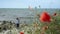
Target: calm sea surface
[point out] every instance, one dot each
(13, 13)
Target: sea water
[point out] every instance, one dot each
(13, 13)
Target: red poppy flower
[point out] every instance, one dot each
(21, 32)
(45, 17)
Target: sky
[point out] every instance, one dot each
(32, 3)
